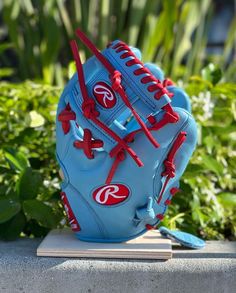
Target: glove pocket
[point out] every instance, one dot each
(83, 152)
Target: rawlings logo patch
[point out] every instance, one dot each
(104, 95)
(111, 194)
(71, 217)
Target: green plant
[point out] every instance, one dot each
(207, 204)
(29, 187)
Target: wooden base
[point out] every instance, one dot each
(63, 243)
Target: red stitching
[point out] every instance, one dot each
(89, 106)
(116, 80)
(160, 217)
(87, 144)
(149, 227)
(115, 77)
(169, 171)
(158, 86)
(174, 190)
(65, 116)
(167, 82)
(167, 202)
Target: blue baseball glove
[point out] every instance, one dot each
(124, 137)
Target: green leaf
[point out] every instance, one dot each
(193, 169)
(11, 229)
(16, 159)
(212, 73)
(29, 183)
(71, 69)
(211, 164)
(227, 199)
(33, 228)
(222, 117)
(40, 212)
(4, 170)
(6, 72)
(4, 47)
(3, 190)
(36, 119)
(8, 209)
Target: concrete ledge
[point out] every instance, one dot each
(189, 271)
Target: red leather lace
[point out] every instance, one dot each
(169, 165)
(115, 77)
(169, 117)
(174, 190)
(87, 144)
(169, 171)
(119, 157)
(149, 227)
(156, 85)
(88, 106)
(167, 82)
(90, 112)
(65, 116)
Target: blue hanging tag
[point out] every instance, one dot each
(185, 239)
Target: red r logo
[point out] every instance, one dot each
(111, 194)
(104, 95)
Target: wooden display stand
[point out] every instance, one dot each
(63, 243)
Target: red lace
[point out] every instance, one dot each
(90, 112)
(156, 85)
(173, 191)
(169, 171)
(167, 82)
(169, 117)
(88, 106)
(115, 77)
(119, 157)
(87, 144)
(65, 116)
(118, 150)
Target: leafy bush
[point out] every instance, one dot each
(207, 204)
(29, 184)
(29, 188)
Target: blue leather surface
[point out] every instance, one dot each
(83, 176)
(185, 239)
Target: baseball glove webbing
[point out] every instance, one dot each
(90, 112)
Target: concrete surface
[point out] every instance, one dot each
(189, 271)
